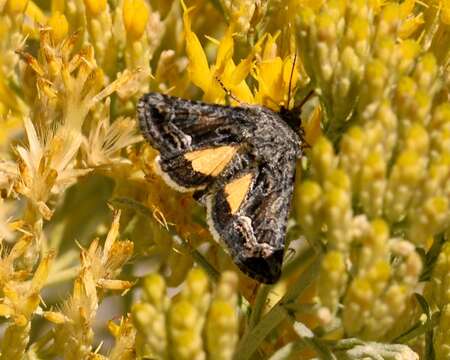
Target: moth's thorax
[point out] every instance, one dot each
(272, 138)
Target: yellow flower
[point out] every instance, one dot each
(59, 25)
(105, 141)
(224, 69)
(135, 17)
(274, 76)
(99, 267)
(20, 296)
(197, 310)
(46, 166)
(95, 6)
(104, 264)
(16, 6)
(124, 335)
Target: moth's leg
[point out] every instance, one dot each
(228, 92)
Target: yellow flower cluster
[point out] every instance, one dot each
(193, 322)
(366, 270)
(379, 178)
(73, 336)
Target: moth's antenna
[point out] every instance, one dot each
(290, 81)
(306, 98)
(227, 91)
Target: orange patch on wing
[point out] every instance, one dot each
(236, 190)
(211, 161)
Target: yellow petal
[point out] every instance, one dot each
(198, 68)
(225, 51)
(406, 8)
(95, 7)
(35, 13)
(270, 48)
(313, 131)
(41, 274)
(59, 25)
(135, 18)
(234, 79)
(410, 26)
(55, 317)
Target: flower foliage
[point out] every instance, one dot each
(99, 259)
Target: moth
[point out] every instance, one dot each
(239, 162)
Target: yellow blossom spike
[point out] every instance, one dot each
(59, 25)
(16, 6)
(323, 159)
(225, 50)
(114, 284)
(58, 6)
(34, 12)
(41, 273)
(313, 129)
(371, 193)
(112, 235)
(95, 7)
(309, 207)
(55, 317)
(135, 18)
(410, 26)
(198, 67)
(333, 279)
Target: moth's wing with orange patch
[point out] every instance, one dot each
(211, 161)
(237, 190)
(196, 169)
(196, 141)
(249, 212)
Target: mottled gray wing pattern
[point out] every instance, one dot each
(241, 161)
(177, 127)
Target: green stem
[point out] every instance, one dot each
(251, 341)
(302, 258)
(258, 307)
(254, 337)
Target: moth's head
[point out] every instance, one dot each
(264, 269)
(292, 117)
